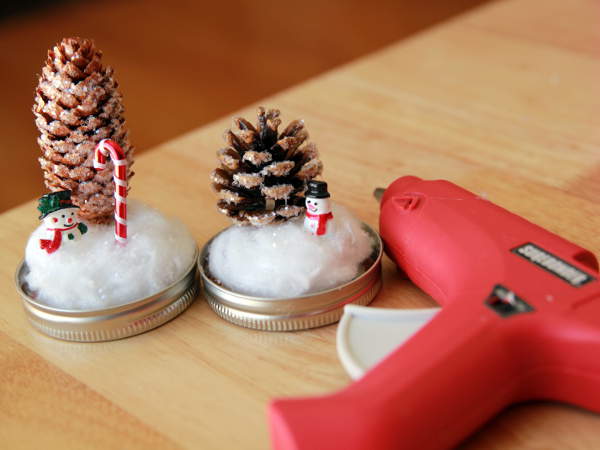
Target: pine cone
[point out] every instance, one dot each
(263, 174)
(76, 106)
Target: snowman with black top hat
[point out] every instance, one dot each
(318, 208)
(60, 217)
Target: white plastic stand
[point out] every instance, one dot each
(366, 335)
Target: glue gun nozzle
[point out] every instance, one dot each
(378, 193)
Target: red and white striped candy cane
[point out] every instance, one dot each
(105, 148)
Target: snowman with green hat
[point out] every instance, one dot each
(60, 217)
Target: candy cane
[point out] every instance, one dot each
(105, 148)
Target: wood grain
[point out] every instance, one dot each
(37, 400)
(496, 101)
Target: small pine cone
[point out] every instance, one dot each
(76, 105)
(263, 173)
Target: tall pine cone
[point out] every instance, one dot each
(263, 173)
(76, 106)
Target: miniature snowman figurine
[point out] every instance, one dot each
(318, 208)
(59, 216)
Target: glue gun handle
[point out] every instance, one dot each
(563, 350)
(450, 377)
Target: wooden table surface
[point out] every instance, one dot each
(503, 101)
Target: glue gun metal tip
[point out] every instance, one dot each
(378, 193)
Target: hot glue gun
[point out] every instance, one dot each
(520, 320)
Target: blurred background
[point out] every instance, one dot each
(183, 63)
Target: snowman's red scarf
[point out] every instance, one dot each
(322, 221)
(52, 245)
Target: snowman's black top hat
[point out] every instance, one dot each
(55, 201)
(317, 189)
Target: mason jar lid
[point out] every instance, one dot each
(296, 313)
(113, 323)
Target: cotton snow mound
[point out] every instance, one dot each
(95, 272)
(286, 260)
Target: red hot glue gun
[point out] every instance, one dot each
(520, 320)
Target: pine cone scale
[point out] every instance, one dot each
(247, 180)
(293, 128)
(278, 169)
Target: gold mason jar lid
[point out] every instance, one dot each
(296, 313)
(112, 323)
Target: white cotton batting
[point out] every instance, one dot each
(286, 260)
(95, 272)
